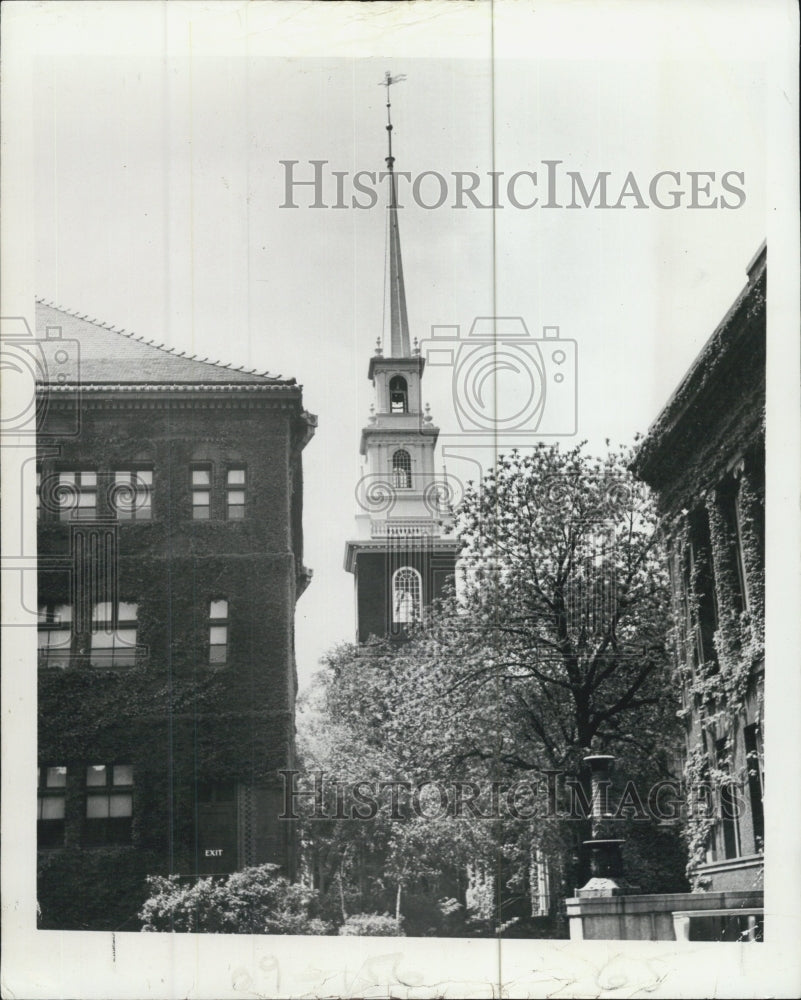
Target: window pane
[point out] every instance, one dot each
(102, 612)
(127, 612)
(96, 775)
(88, 479)
(123, 774)
(236, 477)
(121, 804)
(218, 654)
(124, 638)
(97, 807)
(218, 635)
(43, 639)
(66, 477)
(145, 477)
(201, 477)
(201, 498)
(86, 500)
(200, 513)
(236, 497)
(122, 477)
(102, 640)
(60, 638)
(236, 513)
(219, 609)
(56, 777)
(62, 614)
(52, 807)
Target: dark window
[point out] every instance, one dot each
(201, 492)
(114, 634)
(77, 496)
(703, 577)
(398, 395)
(235, 493)
(729, 803)
(756, 787)
(54, 634)
(732, 525)
(216, 791)
(402, 469)
(50, 806)
(109, 804)
(132, 494)
(218, 632)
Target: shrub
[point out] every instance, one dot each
(372, 925)
(252, 901)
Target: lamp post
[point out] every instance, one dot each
(607, 877)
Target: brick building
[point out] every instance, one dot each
(170, 549)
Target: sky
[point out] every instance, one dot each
(158, 199)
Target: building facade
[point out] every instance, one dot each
(170, 558)
(704, 456)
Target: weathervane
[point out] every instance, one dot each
(387, 82)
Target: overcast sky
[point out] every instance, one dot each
(158, 191)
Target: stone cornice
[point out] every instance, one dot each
(432, 545)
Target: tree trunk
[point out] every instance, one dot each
(398, 905)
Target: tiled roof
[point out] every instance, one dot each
(111, 357)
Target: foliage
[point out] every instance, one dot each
(717, 691)
(351, 730)
(564, 606)
(372, 925)
(252, 901)
(551, 645)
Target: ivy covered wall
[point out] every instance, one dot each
(705, 458)
(183, 724)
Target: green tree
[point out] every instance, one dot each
(352, 732)
(552, 645)
(554, 642)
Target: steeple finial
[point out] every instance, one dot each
(396, 322)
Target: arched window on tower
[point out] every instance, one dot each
(402, 469)
(398, 395)
(406, 596)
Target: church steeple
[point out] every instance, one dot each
(401, 558)
(396, 320)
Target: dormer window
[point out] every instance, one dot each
(398, 395)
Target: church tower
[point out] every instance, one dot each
(402, 557)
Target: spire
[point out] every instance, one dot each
(396, 322)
